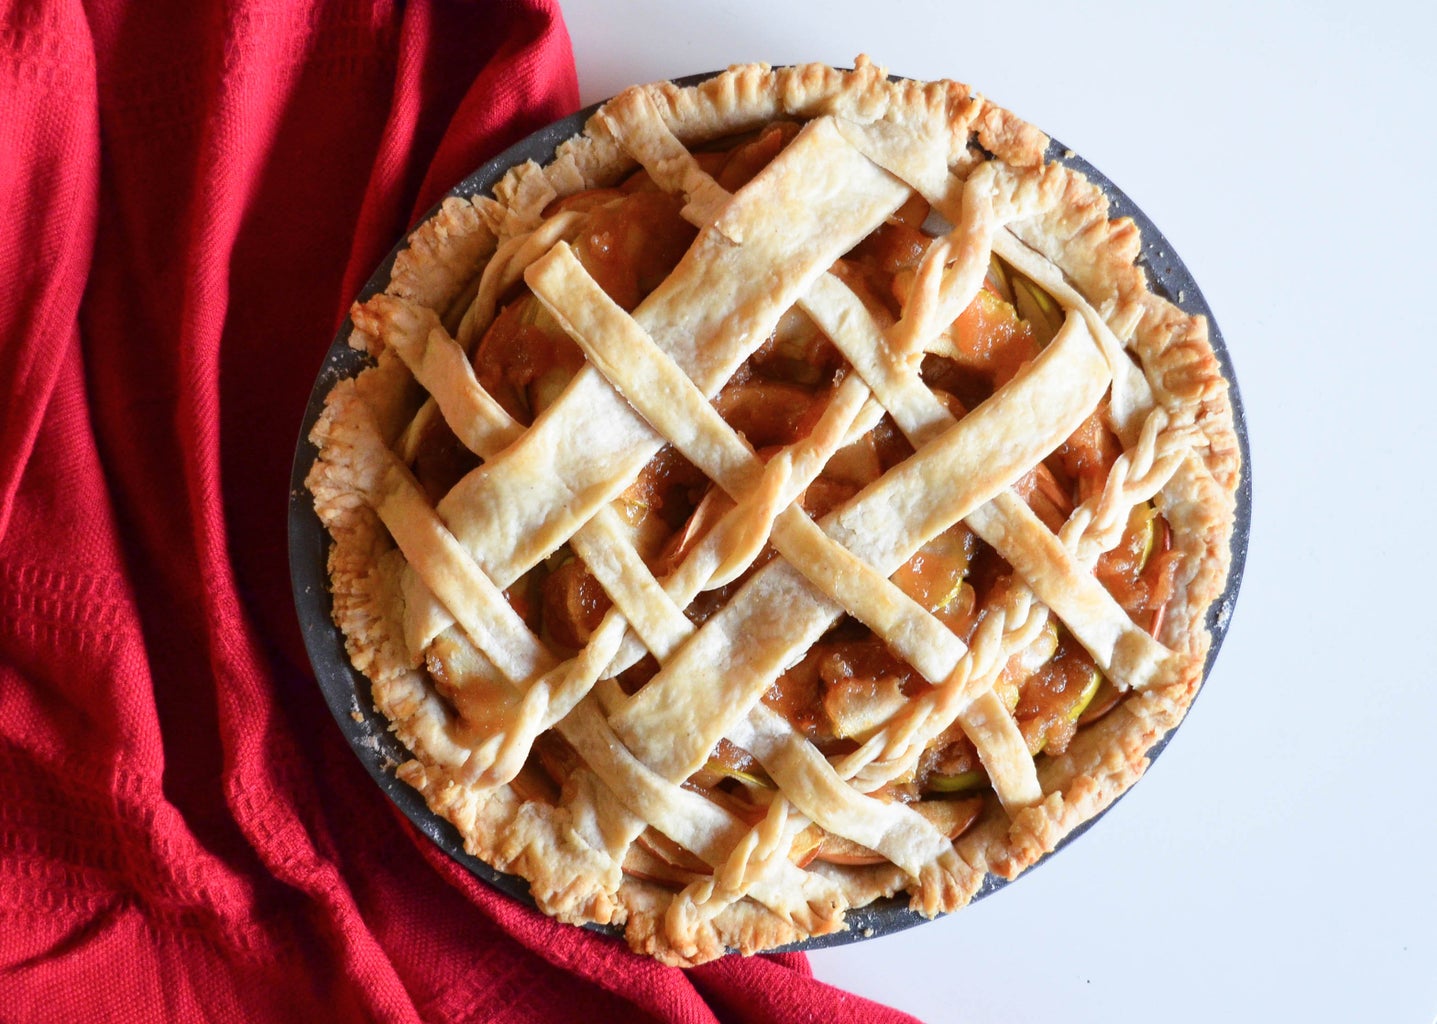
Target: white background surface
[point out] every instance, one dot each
(1276, 864)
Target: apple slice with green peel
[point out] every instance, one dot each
(730, 762)
(747, 778)
(998, 278)
(1145, 537)
(1105, 698)
(961, 782)
(1155, 540)
(1098, 696)
(1085, 696)
(1055, 694)
(1140, 539)
(1037, 307)
(961, 612)
(1144, 518)
(858, 706)
(935, 573)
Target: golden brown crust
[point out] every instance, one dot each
(984, 168)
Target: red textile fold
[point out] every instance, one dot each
(185, 833)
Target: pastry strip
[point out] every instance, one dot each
(505, 269)
(921, 161)
(1002, 750)
(639, 128)
(443, 369)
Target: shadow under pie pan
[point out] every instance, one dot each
(347, 690)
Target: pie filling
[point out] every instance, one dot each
(849, 683)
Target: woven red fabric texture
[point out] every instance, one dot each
(191, 191)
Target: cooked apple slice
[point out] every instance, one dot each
(1038, 308)
(859, 705)
(934, 574)
(998, 280)
(1105, 698)
(959, 782)
(732, 762)
(1086, 695)
(642, 863)
(670, 852)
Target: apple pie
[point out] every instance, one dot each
(791, 495)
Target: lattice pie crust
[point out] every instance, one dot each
(419, 586)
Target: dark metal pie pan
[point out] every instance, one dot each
(347, 690)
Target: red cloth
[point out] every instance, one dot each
(185, 833)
